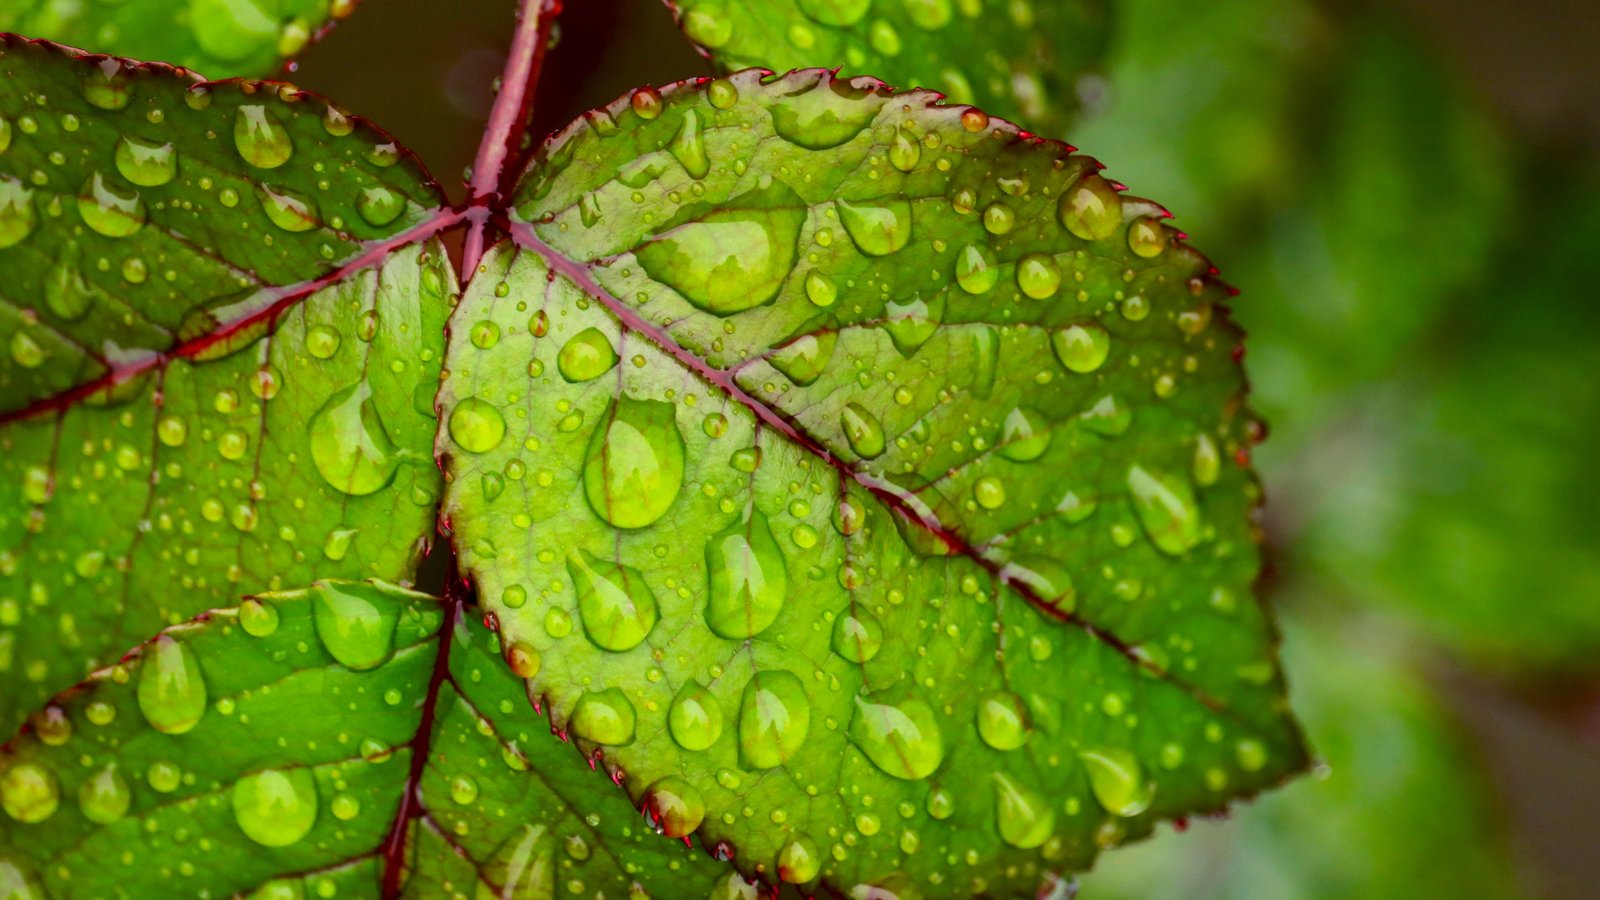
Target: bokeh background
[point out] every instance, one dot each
(1407, 194)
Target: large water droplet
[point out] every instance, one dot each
(289, 210)
(633, 467)
(899, 733)
(476, 425)
(17, 216)
(1167, 509)
(1107, 416)
(29, 793)
(1002, 720)
(172, 689)
(109, 209)
(1117, 780)
(695, 717)
(912, 322)
(857, 634)
(1025, 819)
(523, 867)
(17, 883)
(823, 114)
(1026, 435)
(260, 138)
(734, 258)
(863, 430)
(349, 445)
(1038, 275)
(108, 85)
(804, 359)
(586, 356)
(146, 163)
(104, 796)
(605, 717)
(276, 807)
(800, 860)
(66, 292)
(675, 806)
(1091, 209)
(774, 716)
(355, 622)
(878, 229)
(617, 607)
(748, 579)
(688, 147)
(976, 269)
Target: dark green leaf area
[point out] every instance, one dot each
(279, 736)
(1015, 58)
(874, 468)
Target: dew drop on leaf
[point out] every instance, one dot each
(104, 796)
(899, 733)
(260, 138)
(355, 623)
(1024, 818)
(748, 578)
(349, 444)
(633, 466)
(615, 604)
(172, 689)
(586, 356)
(476, 425)
(774, 717)
(1117, 780)
(695, 717)
(604, 717)
(29, 793)
(276, 808)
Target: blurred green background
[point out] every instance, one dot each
(1408, 195)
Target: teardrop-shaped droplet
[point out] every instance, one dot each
(108, 85)
(977, 271)
(276, 807)
(1046, 580)
(695, 717)
(355, 621)
(172, 689)
(899, 732)
(1107, 416)
(688, 147)
(617, 606)
(349, 445)
(1002, 720)
(476, 425)
(289, 210)
(260, 138)
(824, 114)
(774, 716)
(523, 867)
(804, 359)
(1024, 818)
(1026, 435)
(146, 163)
(904, 151)
(878, 229)
(1038, 275)
(1207, 461)
(799, 860)
(258, 618)
(17, 215)
(633, 466)
(1167, 509)
(748, 578)
(378, 205)
(605, 717)
(104, 796)
(586, 356)
(109, 209)
(857, 634)
(66, 292)
(734, 258)
(29, 792)
(912, 322)
(675, 806)
(1091, 209)
(863, 430)
(820, 289)
(1117, 780)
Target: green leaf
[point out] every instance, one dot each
(328, 740)
(1014, 58)
(195, 400)
(871, 468)
(221, 38)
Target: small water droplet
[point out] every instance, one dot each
(857, 635)
(29, 793)
(379, 205)
(1002, 720)
(804, 359)
(146, 163)
(17, 215)
(800, 860)
(289, 210)
(1091, 209)
(104, 796)
(1081, 348)
(1038, 275)
(1025, 819)
(863, 430)
(675, 806)
(523, 867)
(824, 114)
(109, 209)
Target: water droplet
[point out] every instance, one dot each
(172, 689)
(379, 205)
(1107, 416)
(289, 210)
(355, 622)
(1081, 348)
(17, 216)
(109, 209)
(1147, 237)
(1047, 580)
(734, 258)
(774, 716)
(66, 292)
(1026, 435)
(835, 12)
(51, 725)
(1025, 819)
(615, 604)
(17, 883)
(675, 806)
(646, 101)
(688, 147)
(929, 14)
(695, 717)
(146, 163)
(800, 860)
(1167, 509)
(1038, 275)
(463, 789)
(748, 579)
(476, 426)
(1091, 209)
(878, 229)
(104, 796)
(1117, 780)
(276, 808)
(523, 659)
(633, 467)
(163, 777)
(29, 793)
(722, 93)
(260, 138)
(1002, 720)
(989, 492)
(976, 269)
(804, 359)
(604, 717)
(322, 341)
(863, 430)
(349, 445)
(998, 218)
(258, 619)
(857, 635)
(586, 356)
(899, 733)
(521, 868)
(108, 85)
(912, 322)
(1207, 461)
(823, 115)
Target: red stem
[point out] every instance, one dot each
(508, 119)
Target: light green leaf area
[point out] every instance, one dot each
(874, 471)
(217, 375)
(220, 38)
(1015, 58)
(266, 750)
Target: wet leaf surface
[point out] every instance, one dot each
(870, 478)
